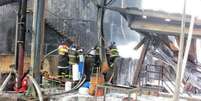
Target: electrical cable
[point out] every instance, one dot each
(100, 31)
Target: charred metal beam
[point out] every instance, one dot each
(140, 62)
(140, 43)
(156, 21)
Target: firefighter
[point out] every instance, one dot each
(63, 64)
(113, 52)
(73, 55)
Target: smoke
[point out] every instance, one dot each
(125, 38)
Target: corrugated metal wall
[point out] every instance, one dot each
(7, 28)
(75, 19)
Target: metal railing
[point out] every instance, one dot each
(157, 76)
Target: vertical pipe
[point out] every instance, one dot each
(100, 21)
(21, 40)
(188, 43)
(111, 31)
(16, 39)
(122, 21)
(100, 31)
(180, 56)
(37, 38)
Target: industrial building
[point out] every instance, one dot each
(100, 50)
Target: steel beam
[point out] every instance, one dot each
(140, 63)
(157, 21)
(162, 28)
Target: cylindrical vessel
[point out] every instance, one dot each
(68, 85)
(76, 75)
(81, 65)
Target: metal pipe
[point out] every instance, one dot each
(48, 54)
(16, 38)
(7, 79)
(38, 90)
(21, 40)
(180, 56)
(122, 21)
(5, 82)
(100, 31)
(37, 38)
(188, 43)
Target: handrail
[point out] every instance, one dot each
(169, 80)
(168, 86)
(162, 72)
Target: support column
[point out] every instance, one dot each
(37, 38)
(140, 62)
(180, 56)
(20, 43)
